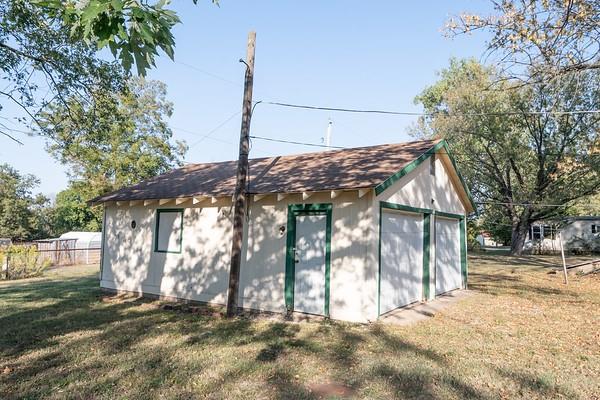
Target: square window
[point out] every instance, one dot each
(537, 232)
(169, 230)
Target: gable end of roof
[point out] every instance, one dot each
(441, 145)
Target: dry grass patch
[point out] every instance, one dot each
(523, 334)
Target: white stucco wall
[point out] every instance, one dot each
(418, 188)
(200, 272)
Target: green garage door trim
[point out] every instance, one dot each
(290, 269)
(463, 243)
(383, 205)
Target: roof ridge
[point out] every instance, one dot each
(351, 168)
(317, 152)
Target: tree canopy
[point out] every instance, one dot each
(133, 30)
(49, 51)
(22, 214)
(538, 40)
(523, 166)
(121, 141)
(42, 64)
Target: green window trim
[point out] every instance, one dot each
(427, 213)
(156, 226)
(290, 268)
(442, 145)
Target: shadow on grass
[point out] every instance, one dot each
(60, 335)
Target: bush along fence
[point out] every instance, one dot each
(18, 261)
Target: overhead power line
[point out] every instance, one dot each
(207, 73)
(500, 203)
(209, 133)
(294, 142)
(270, 139)
(389, 112)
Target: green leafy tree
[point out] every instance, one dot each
(133, 30)
(586, 206)
(49, 52)
(123, 140)
(531, 166)
(71, 212)
(21, 212)
(538, 40)
(42, 64)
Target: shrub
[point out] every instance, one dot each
(23, 262)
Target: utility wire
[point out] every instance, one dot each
(207, 73)
(388, 112)
(500, 203)
(294, 142)
(438, 152)
(216, 128)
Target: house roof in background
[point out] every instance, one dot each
(356, 168)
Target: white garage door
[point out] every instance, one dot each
(447, 255)
(401, 260)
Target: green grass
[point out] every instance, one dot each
(522, 334)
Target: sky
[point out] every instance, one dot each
(351, 54)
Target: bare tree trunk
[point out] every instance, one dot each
(519, 234)
(520, 227)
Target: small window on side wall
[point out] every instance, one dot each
(169, 230)
(432, 165)
(595, 229)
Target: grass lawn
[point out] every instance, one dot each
(522, 334)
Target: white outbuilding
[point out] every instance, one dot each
(87, 245)
(348, 234)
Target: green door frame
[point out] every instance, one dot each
(384, 205)
(463, 242)
(290, 266)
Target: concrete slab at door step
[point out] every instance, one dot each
(417, 312)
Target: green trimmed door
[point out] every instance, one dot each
(309, 260)
(401, 259)
(448, 274)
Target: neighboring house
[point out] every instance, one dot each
(349, 234)
(485, 239)
(579, 233)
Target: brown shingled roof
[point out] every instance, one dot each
(357, 168)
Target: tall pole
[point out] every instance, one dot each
(239, 197)
(562, 253)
